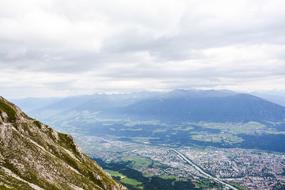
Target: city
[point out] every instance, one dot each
(248, 169)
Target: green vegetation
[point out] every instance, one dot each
(237, 186)
(138, 162)
(11, 183)
(218, 138)
(31, 149)
(206, 184)
(135, 180)
(125, 180)
(132, 182)
(67, 142)
(115, 174)
(237, 128)
(5, 107)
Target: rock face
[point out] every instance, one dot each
(34, 156)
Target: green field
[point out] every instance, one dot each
(218, 138)
(125, 180)
(138, 162)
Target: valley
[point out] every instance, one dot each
(199, 169)
(212, 150)
(244, 169)
(142, 95)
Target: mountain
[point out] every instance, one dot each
(97, 103)
(177, 105)
(214, 106)
(34, 156)
(276, 97)
(35, 103)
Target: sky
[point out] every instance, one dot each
(64, 47)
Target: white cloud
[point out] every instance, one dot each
(63, 47)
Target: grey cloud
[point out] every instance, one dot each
(173, 43)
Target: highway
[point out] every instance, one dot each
(198, 168)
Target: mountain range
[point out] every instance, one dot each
(177, 105)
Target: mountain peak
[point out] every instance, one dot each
(34, 156)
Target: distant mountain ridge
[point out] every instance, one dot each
(182, 105)
(276, 97)
(34, 156)
(211, 106)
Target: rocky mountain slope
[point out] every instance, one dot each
(34, 156)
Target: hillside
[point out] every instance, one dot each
(34, 156)
(214, 106)
(177, 105)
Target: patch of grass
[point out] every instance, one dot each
(115, 174)
(67, 142)
(138, 162)
(132, 182)
(249, 128)
(206, 184)
(238, 186)
(125, 180)
(8, 182)
(4, 107)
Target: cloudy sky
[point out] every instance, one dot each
(64, 47)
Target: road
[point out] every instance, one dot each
(198, 168)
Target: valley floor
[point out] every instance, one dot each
(235, 167)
